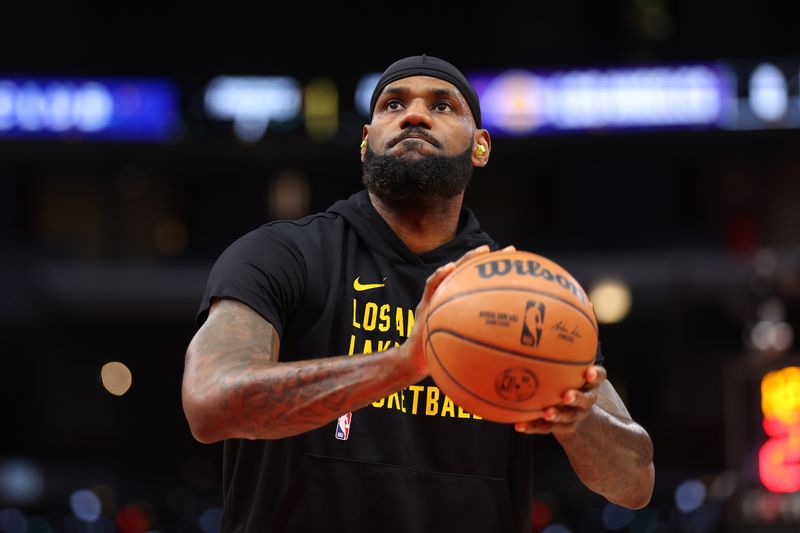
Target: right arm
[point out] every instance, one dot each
(234, 386)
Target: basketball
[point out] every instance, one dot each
(507, 333)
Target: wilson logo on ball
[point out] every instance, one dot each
(504, 267)
(533, 324)
(507, 334)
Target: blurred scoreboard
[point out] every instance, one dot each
(92, 109)
(779, 456)
(763, 443)
(721, 95)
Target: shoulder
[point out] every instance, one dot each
(305, 227)
(303, 242)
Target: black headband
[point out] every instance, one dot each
(434, 67)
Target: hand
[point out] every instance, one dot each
(415, 343)
(565, 418)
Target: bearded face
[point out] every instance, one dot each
(397, 179)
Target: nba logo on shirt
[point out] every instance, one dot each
(343, 426)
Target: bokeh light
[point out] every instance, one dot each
(557, 528)
(765, 262)
(116, 378)
(767, 335)
(210, 519)
(289, 195)
(321, 109)
(85, 505)
(12, 521)
(541, 514)
(21, 481)
(723, 486)
(131, 519)
(611, 299)
(171, 236)
(108, 499)
(768, 95)
(615, 517)
(690, 495)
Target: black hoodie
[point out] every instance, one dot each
(342, 282)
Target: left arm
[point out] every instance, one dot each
(610, 453)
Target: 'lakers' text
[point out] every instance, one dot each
(375, 328)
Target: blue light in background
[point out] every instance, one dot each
(524, 102)
(85, 505)
(556, 528)
(366, 85)
(521, 102)
(690, 495)
(615, 517)
(210, 520)
(769, 97)
(252, 102)
(12, 521)
(79, 108)
(21, 481)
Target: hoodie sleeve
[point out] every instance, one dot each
(264, 269)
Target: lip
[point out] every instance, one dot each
(414, 138)
(417, 136)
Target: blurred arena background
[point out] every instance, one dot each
(649, 146)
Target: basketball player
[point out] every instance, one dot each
(308, 365)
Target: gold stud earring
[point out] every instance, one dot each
(364, 144)
(480, 150)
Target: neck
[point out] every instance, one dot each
(422, 225)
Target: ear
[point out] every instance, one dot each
(364, 135)
(481, 138)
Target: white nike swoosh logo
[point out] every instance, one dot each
(357, 285)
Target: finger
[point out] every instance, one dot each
(595, 375)
(534, 427)
(561, 415)
(436, 279)
(509, 248)
(475, 252)
(580, 399)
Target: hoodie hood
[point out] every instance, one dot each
(370, 227)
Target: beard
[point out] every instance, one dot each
(397, 180)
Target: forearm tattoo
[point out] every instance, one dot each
(249, 394)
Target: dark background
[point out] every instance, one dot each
(87, 277)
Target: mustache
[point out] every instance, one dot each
(415, 132)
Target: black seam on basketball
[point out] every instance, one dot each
(473, 394)
(542, 358)
(518, 289)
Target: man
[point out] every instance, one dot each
(307, 363)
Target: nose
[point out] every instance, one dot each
(417, 115)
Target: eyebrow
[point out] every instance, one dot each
(441, 93)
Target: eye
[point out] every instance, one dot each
(443, 106)
(393, 105)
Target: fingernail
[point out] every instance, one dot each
(519, 426)
(570, 398)
(549, 415)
